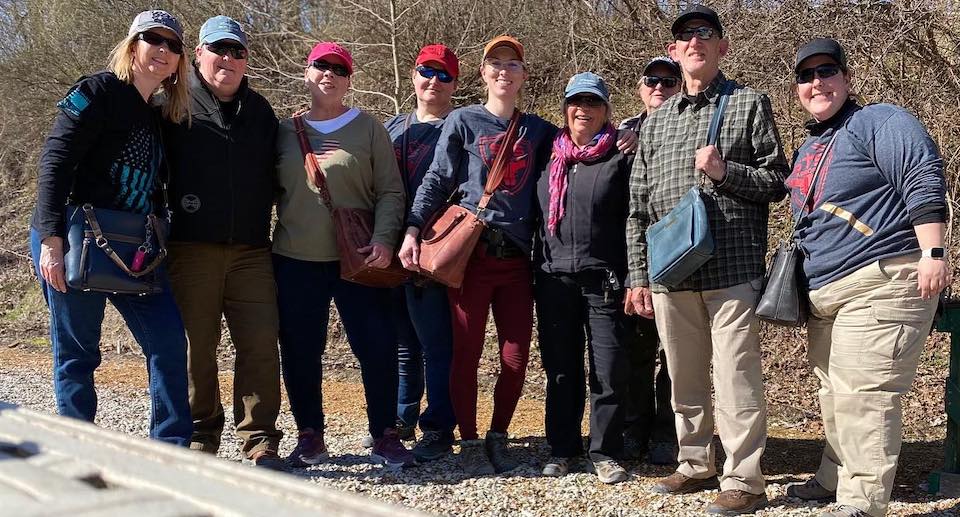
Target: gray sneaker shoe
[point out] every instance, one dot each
(367, 441)
(433, 445)
(811, 490)
(556, 467)
(845, 510)
(496, 445)
(473, 458)
(663, 453)
(608, 471)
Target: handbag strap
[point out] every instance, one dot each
(713, 133)
(495, 174)
(813, 182)
(310, 162)
(104, 244)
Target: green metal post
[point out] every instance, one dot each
(950, 475)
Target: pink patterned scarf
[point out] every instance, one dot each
(565, 154)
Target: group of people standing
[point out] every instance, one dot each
(564, 235)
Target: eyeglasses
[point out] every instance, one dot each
(513, 65)
(429, 73)
(152, 38)
(588, 101)
(823, 71)
(220, 48)
(702, 34)
(338, 70)
(651, 81)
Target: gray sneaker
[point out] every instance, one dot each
(496, 445)
(433, 445)
(556, 467)
(608, 471)
(845, 510)
(367, 441)
(473, 458)
(811, 490)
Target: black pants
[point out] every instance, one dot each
(572, 312)
(647, 401)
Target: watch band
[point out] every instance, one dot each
(937, 253)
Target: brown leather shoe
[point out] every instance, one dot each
(678, 483)
(736, 502)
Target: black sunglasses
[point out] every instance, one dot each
(429, 73)
(222, 48)
(823, 71)
(702, 34)
(156, 40)
(651, 81)
(590, 101)
(338, 70)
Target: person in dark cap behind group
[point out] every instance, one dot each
(661, 80)
(222, 165)
(708, 320)
(873, 237)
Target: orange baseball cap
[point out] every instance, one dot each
(504, 41)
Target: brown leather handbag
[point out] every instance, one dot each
(448, 240)
(354, 227)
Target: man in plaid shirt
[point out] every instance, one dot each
(709, 318)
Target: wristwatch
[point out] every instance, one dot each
(934, 253)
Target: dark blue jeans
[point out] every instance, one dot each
(304, 291)
(424, 352)
(75, 321)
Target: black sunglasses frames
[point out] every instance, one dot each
(235, 50)
(822, 71)
(429, 73)
(702, 34)
(651, 81)
(152, 38)
(338, 70)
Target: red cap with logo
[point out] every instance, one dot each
(326, 48)
(439, 53)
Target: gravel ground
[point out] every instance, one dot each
(438, 487)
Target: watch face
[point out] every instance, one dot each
(937, 252)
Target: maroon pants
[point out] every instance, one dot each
(506, 286)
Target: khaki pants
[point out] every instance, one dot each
(235, 281)
(866, 333)
(718, 327)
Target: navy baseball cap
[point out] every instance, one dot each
(221, 28)
(665, 61)
(696, 12)
(825, 46)
(587, 82)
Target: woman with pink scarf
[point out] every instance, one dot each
(580, 255)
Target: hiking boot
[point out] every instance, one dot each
(556, 467)
(406, 433)
(811, 490)
(203, 447)
(473, 458)
(433, 445)
(736, 502)
(663, 453)
(608, 471)
(267, 459)
(678, 483)
(500, 457)
(310, 449)
(388, 450)
(845, 510)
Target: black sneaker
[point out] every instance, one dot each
(433, 445)
(496, 445)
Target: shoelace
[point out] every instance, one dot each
(429, 438)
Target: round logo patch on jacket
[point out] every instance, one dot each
(190, 203)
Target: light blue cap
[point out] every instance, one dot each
(221, 28)
(587, 82)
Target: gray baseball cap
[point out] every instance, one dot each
(156, 19)
(221, 28)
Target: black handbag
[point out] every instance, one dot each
(784, 299)
(113, 251)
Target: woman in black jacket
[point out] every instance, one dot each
(581, 258)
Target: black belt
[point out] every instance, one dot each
(500, 246)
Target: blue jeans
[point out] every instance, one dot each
(75, 321)
(304, 291)
(424, 346)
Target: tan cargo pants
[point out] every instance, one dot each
(866, 333)
(719, 328)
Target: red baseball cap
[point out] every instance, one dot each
(327, 48)
(439, 53)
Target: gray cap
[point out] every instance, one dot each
(825, 46)
(221, 28)
(665, 61)
(156, 19)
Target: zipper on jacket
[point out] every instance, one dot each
(571, 191)
(230, 186)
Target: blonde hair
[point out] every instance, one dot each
(176, 107)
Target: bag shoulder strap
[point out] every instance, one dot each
(813, 182)
(310, 162)
(713, 133)
(495, 174)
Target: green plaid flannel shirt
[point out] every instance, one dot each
(737, 206)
